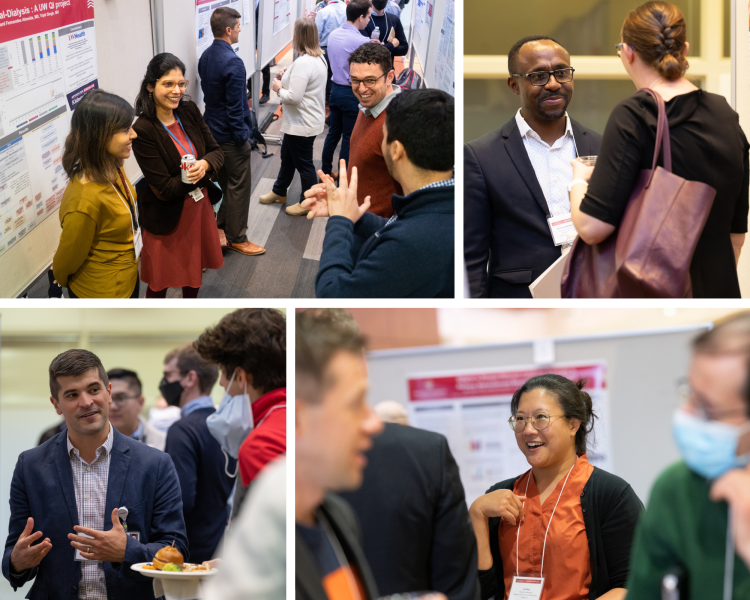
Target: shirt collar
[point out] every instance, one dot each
(197, 404)
(375, 111)
(526, 131)
(439, 184)
(107, 445)
(138, 433)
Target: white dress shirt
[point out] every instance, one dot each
(551, 163)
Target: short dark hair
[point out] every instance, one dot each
(188, 360)
(372, 54)
(320, 334)
(422, 120)
(356, 9)
(129, 377)
(97, 117)
(572, 400)
(516, 48)
(158, 67)
(73, 363)
(222, 18)
(253, 339)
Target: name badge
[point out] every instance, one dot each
(526, 588)
(197, 194)
(78, 556)
(560, 226)
(136, 535)
(138, 242)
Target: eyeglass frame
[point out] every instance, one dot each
(548, 73)
(513, 419)
(125, 399)
(186, 82)
(618, 47)
(362, 81)
(688, 396)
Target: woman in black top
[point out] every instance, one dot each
(708, 145)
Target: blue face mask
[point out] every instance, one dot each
(231, 423)
(709, 448)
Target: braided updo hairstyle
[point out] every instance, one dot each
(657, 32)
(573, 401)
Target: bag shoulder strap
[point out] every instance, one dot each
(663, 142)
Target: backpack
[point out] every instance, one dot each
(256, 137)
(409, 79)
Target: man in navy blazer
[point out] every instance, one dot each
(57, 485)
(517, 176)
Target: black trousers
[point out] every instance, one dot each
(296, 155)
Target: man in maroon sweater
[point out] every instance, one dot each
(372, 83)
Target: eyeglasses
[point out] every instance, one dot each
(618, 47)
(542, 77)
(699, 405)
(369, 82)
(170, 85)
(539, 421)
(122, 399)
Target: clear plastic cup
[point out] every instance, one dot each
(589, 161)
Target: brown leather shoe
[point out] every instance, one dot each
(247, 248)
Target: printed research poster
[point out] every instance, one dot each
(47, 64)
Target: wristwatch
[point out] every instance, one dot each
(572, 183)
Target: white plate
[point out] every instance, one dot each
(171, 574)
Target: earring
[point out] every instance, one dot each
(150, 96)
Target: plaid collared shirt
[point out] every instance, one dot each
(90, 483)
(429, 186)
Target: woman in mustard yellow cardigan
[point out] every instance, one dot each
(100, 241)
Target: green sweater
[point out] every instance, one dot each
(683, 527)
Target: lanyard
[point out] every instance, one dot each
(544, 546)
(192, 150)
(133, 213)
(340, 557)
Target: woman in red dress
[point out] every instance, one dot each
(180, 236)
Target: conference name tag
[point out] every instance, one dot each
(78, 556)
(138, 242)
(560, 226)
(526, 588)
(196, 194)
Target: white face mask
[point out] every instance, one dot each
(231, 423)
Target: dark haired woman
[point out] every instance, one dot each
(180, 236)
(707, 142)
(564, 519)
(98, 252)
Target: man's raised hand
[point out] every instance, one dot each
(24, 555)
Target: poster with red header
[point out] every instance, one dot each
(47, 64)
(471, 409)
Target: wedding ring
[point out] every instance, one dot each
(89, 550)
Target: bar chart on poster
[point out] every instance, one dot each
(47, 62)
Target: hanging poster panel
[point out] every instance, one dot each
(204, 36)
(47, 64)
(471, 409)
(446, 50)
(282, 14)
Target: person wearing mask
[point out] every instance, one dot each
(386, 17)
(101, 238)
(249, 346)
(516, 177)
(302, 93)
(686, 526)
(328, 19)
(227, 115)
(180, 236)
(708, 145)
(410, 254)
(334, 429)
(586, 541)
(343, 103)
(206, 478)
(125, 410)
(90, 503)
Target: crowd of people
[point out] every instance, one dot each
(117, 488)
(380, 509)
(396, 161)
(523, 178)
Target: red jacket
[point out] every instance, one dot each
(268, 439)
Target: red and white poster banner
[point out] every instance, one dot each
(47, 64)
(471, 409)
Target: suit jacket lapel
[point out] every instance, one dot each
(118, 470)
(308, 573)
(65, 476)
(584, 143)
(517, 152)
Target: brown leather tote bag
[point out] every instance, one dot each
(649, 254)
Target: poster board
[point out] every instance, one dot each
(440, 62)
(642, 369)
(275, 28)
(421, 20)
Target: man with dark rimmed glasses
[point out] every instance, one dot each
(516, 178)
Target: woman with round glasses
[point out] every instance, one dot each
(564, 519)
(707, 145)
(302, 91)
(180, 236)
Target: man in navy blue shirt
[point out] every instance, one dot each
(197, 456)
(227, 115)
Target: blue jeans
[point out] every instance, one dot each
(344, 110)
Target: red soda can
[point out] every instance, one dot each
(188, 161)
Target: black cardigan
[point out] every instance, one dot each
(160, 201)
(610, 512)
